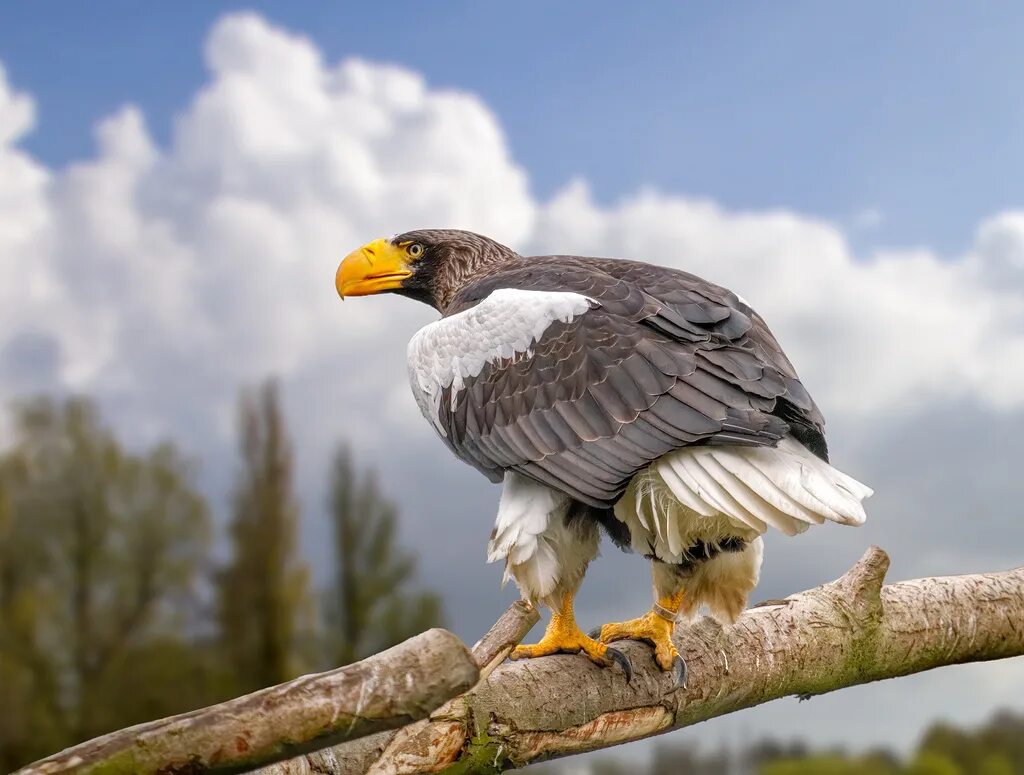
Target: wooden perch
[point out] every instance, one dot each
(386, 691)
(847, 632)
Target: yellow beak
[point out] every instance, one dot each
(376, 267)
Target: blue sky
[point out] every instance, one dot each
(911, 109)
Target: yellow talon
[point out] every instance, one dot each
(565, 644)
(655, 627)
(563, 635)
(651, 627)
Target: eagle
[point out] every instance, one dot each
(617, 395)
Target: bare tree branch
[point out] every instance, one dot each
(411, 747)
(386, 691)
(415, 747)
(848, 632)
(494, 647)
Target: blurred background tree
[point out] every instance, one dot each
(994, 748)
(264, 604)
(112, 611)
(370, 606)
(100, 552)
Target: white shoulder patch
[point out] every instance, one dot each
(509, 321)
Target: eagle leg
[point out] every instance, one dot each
(563, 635)
(654, 627)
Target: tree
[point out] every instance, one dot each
(30, 712)
(996, 763)
(369, 606)
(263, 593)
(99, 555)
(825, 764)
(933, 763)
(990, 748)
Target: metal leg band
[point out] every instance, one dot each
(664, 613)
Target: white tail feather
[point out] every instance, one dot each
(712, 490)
(712, 493)
(751, 500)
(683, 490)
(753, 478)
(765, 482)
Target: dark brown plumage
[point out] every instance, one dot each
(663, 360)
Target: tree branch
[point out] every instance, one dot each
(850, 631)
(388, 690)
(847, 632)
(412, 748)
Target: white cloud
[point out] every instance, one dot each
(23, 182)
(160, 279)
(1000, 251)
(210, 262)
(17, 112)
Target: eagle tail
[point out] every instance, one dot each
(786, 486)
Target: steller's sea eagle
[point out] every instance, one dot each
(611, 393)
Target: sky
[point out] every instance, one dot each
(179, 181)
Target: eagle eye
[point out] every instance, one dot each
(415, 250)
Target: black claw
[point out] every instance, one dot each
(622, 661)
(679, 668)
(595, 633)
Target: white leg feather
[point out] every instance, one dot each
(542, 552)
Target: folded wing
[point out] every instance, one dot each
(578, 378)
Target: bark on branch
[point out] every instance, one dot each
(386, 691)
(850, 631)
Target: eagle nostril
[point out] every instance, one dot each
(369, 253)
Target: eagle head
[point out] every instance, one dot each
(428, 265)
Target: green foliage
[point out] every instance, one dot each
(996, 763)
(994, 748)
(99, 553)
(993, 745)
(105, 574)
(932, 763)
(825, 764)
(369, 607)
(263, 593)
